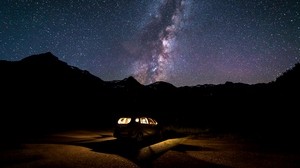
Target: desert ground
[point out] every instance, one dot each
(98, 148)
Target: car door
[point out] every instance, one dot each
(145, 126)
(152, 126)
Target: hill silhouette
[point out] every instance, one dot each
(50, 94)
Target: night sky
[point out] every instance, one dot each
(184, 42)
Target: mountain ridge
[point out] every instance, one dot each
(48, 58)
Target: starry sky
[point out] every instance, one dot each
(184, 42)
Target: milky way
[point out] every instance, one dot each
(158, 42)
(183, 42)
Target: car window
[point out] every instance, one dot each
(124, 120)
(155, 122)
(144, 120)
(151, 121)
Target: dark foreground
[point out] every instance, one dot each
(99, 149)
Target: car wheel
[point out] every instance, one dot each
(139, 137)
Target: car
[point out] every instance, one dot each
(136, 128)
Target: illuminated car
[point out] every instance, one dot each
(136, 128)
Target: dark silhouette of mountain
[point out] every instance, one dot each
(45, 76)
(50, 94)
(290, 77)
(45, 69)
(129, 83)
(161, 86)
(288, 83)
